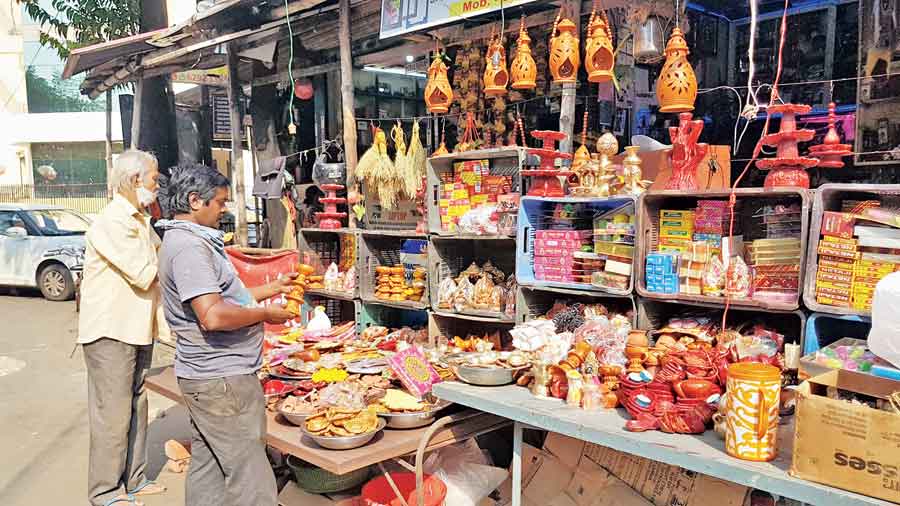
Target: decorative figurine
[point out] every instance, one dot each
(438, 92)
(607, 180)
(496, 77)
(523, 68)
(564, 51)
(632, 184)
(788, 168)
(599, 55)
(686, 153)
(676, 88)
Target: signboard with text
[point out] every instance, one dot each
(404, 16)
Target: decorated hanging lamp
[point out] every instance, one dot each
(676, 88)
(523, 68)
(438, 93)
(598, 50)
(496, 77)
(564, 51)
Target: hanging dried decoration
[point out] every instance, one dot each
(599, 55)
(401, 159)
(564, 51)
(377, 171)
(467, 142)
(415, 160)
(438, 92)
(496, 77)
(523, 68)
(676, 88)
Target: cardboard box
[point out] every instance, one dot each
(656, 167)
(658, 483)
(849, 446)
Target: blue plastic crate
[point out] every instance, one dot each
(393, 317)
(823, 329)
(533, 216)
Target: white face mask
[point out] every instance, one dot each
(145, 197)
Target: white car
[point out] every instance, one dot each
(42, 246)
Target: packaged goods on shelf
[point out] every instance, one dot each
(662, 272)
(479, 290)
(469, 187)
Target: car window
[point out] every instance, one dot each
(10, 219)
(58, 222)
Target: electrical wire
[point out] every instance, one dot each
(287, 20)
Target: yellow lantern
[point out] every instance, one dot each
(523, 69)
(438, 93)
(676, 88)
(496, 76)
(599, 55)
(564, 52)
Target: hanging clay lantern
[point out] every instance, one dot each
(496, 77)
(523, 68)
(676, 88)
(564, 52)
(598, 50)
(438, 93)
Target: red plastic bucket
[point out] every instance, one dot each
(378, 492)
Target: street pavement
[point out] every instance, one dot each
(43, 421)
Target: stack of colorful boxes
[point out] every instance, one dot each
(676, 230)
(693, 265)
(712, 222)
(468, 187)
(554, 253)
(867, 272)
(775, 264)
(614, 242)
(662, 272)
(838, 253)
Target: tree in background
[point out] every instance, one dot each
(55, 95)
(70, 24)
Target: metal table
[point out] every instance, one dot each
(703, 454)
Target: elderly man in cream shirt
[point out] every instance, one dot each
(120, 306)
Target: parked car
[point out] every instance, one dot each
(42, 246)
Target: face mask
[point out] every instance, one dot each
(145, 197)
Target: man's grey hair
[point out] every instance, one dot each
(129, 164)
(186, 179)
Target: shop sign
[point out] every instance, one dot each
(211, 77)
(404, 16)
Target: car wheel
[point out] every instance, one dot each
(56, 283)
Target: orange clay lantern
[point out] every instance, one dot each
(496, 77)
(523, 69)
(438, 93)
(676, 88)
(564, 52)
(598, 50)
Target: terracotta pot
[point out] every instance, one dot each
(638, 338)
(665, 342)
(696, 388)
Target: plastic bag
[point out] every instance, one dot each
(886, 319)
(350, 279)
(484, 288)
(498, 296)
(509, 303)
(464, 294)
(331, 278)
(446, 290)
(467, 473)
(479, 221)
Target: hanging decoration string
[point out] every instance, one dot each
(287, 20)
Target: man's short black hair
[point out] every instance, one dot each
(185, 179)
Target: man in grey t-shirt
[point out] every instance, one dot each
(219, 331)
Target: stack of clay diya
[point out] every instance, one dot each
(788, 168)
(546, 178)
(681, 396)
(579, 379)
(831, 150)
(330, 219)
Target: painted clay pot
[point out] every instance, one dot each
(599, 57)
(636, 356)
(676, 88)
(564, 52)
(751, 410)
(637, 338)
(523, 69)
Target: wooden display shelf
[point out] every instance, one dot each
(702, 454)
(476, 316)
(406, 304)
(330, 294)
(390, 444)
(534, 301)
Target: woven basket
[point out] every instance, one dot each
(319, 481)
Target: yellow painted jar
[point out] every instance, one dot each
(751, 411)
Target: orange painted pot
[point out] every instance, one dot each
(751, 411)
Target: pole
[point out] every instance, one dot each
(347, 100)
(108, 140)
(567, 102)
(136, 114)
(237, 145)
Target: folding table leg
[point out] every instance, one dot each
(517, 465)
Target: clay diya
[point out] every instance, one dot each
(610, 374)
(696, 389)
